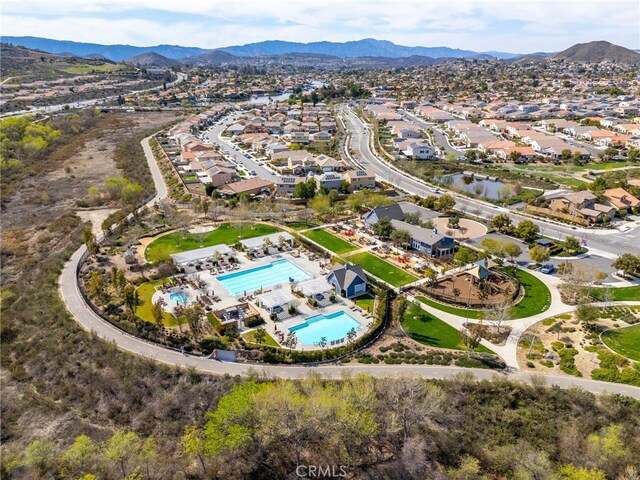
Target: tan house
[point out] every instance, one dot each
(252, 186)
(582, 205)
(359, 179)
(620, 198)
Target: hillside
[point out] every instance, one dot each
(152, 59)
(25, 62)
(214, 57)
(600, 51)
(115, 53)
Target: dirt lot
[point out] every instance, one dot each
(467, 229)
(40, 200)
(73, 168)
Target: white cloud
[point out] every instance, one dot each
(523, 25)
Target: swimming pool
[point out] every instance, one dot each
(332, 327)
(265, 276)
(179, 297)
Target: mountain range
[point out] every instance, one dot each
(367, 52)
(360, 48)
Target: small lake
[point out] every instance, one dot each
(264, 99)
(485, 188)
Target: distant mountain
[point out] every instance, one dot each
(116, 53)
(595, 52)
(368, 47)
(152, 59)
(213, 57)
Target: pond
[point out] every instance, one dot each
(493, 189)
(285, 96)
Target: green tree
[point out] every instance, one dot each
(260, 335)
(539, 254)
(194, 446)
(383, 228)
(628, 263)
(157, 312)
(527, 230)
(79, 454)
(587, 314)
(121, 448)
(571, 244)
(463, 256)
(321, 204)
(502, 222)
(40, 454)
(569, 472)
(512, 250)
(400, 237)
(445, 202)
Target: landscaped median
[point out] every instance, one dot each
(163, 247)
(381, 269)
(330, 241)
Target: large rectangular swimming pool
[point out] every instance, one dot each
(332, 327)
(274, 273)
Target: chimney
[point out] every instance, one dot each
(435, 230)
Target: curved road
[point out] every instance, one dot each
(610, 243)
(90, 321)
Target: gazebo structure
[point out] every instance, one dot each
(200, 254)
(275, 301)
(316, 288)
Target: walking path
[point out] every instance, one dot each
(90, 321)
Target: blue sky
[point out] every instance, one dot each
(505, 25)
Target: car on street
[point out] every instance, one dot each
(547, 268)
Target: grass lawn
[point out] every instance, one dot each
(619, 294)
(161, 248)
(143, 311)
(461, 312)
(330, 241)
(250, 337)
(625, 341)
(382, 269)
(366, 302)
(429, 330)
(301, 225)
(537, 297)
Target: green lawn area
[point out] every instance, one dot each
(250, 337)
(143, 311)
(461, 312)
(537, 297)
(300, 225)
(429, 330)
(161, 248)
(366, 302)
(330, 241)
(619, 294)
(625, 341)
(382, 269)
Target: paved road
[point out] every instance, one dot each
(181, 77)
(250, 163)
(90, 321)
(607, 243)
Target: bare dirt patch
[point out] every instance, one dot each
(467, 229)
(65, 175)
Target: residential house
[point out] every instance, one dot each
(251, 186)
(427, 241)
(582, 205)
(359, 179)
(621, 199)
(418, 150)
(330, 181)
(348, 280)
(286, 185)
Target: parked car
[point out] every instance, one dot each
(547, 268)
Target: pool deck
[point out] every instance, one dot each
(285, 321)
